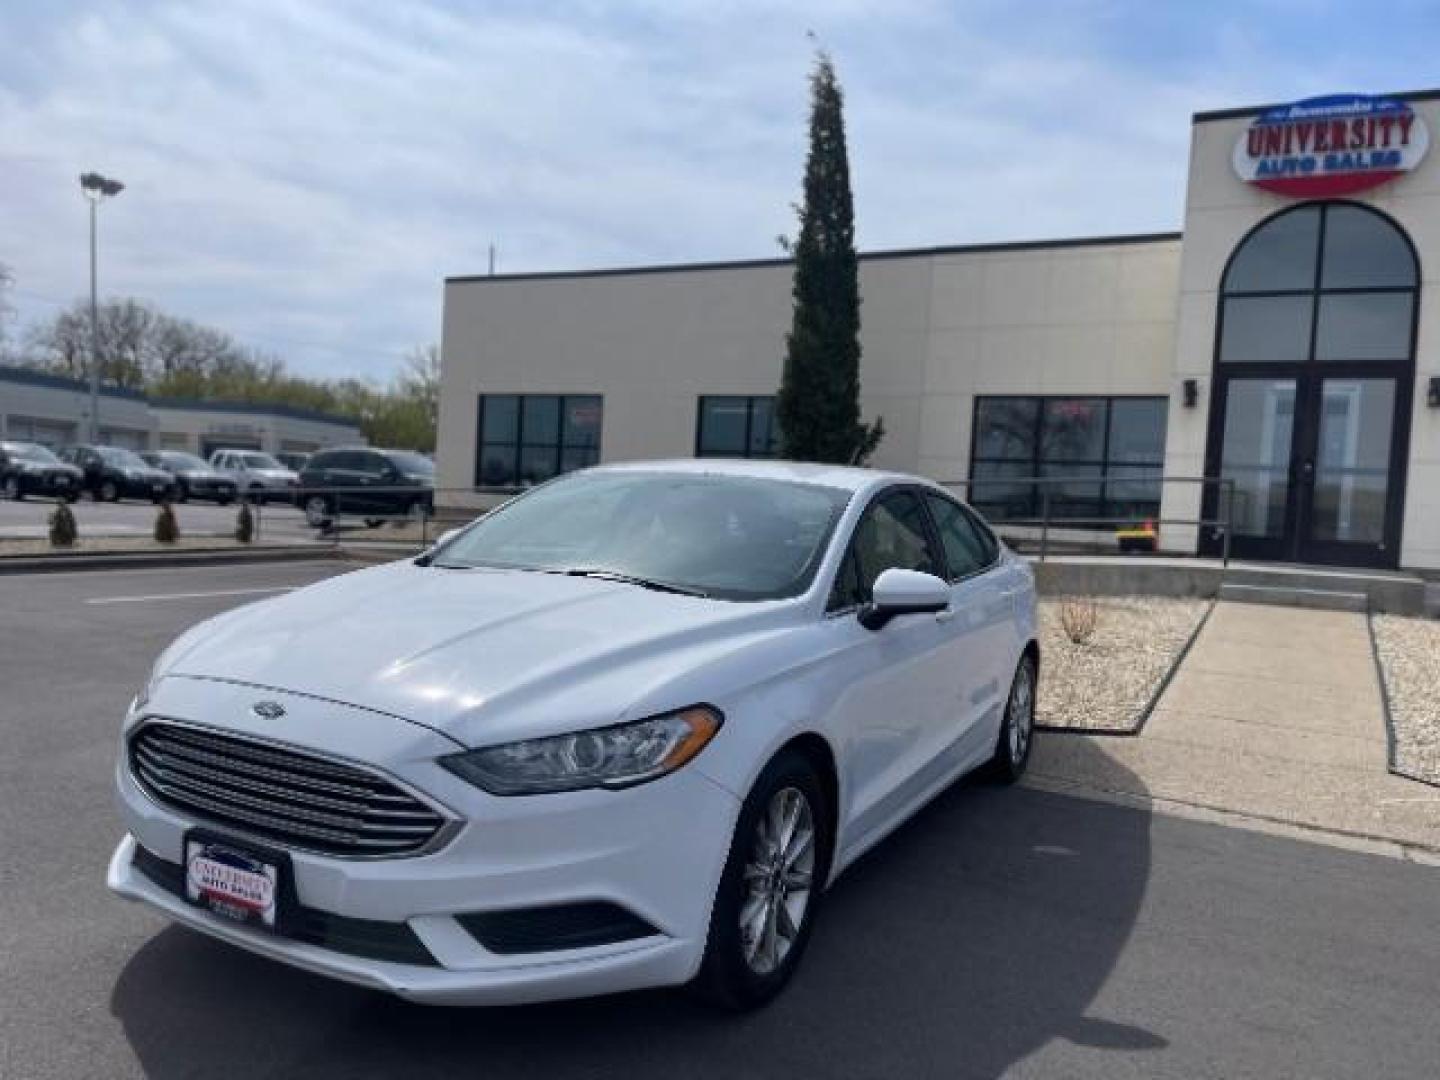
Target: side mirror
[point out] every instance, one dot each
(903, 592)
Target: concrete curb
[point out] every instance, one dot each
(41, 564)
(1390, 740)
(1369, 843)
(1130, 733)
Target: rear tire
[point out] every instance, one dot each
(770, 888)
(1017, 726)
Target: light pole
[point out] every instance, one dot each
(96, 187)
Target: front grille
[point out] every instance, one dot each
(295, 799)
(391, 941)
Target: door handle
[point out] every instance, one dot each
(945, 616)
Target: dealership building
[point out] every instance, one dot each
(1287, 341)
(54, 410)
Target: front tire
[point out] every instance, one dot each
(109, 491)
(182, 493)
(1017, 726)
(770, 889)
(13, 491)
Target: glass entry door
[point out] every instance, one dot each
(1348, 473)
(1314, 460)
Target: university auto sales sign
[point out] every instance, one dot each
(1328, 146)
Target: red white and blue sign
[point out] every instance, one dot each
(1327, 146)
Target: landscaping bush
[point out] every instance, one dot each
(167, 529)
(245, 524)
(1079, 616)
(63, 530)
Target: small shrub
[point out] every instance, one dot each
(63, 531)
(1079, 616)
(245, 524)
(167, 529)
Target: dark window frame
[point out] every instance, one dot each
(1317, 290)
(1036, 461)
(974, 520)
(750, 400)
(519, 444)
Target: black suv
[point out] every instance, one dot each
(112, 472)
(30, 469)
(368, 483)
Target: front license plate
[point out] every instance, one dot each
(157, 488)
(62, 481)
(232, 882)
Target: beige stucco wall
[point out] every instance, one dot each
(1219, 211)
(937, 329)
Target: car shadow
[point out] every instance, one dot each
(976, 934)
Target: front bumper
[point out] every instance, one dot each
(656, 851)
(53, 484)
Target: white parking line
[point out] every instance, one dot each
(188, 595)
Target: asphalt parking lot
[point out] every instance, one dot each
(1002, 932)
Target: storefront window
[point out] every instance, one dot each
(529, 438)
(734, 426)
(1100, 457)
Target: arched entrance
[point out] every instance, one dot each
(1314, 369)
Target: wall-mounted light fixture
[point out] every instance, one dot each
(1432, 397)
(1191, 388)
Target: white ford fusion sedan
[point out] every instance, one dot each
(621, 732)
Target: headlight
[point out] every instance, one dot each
(610, 757)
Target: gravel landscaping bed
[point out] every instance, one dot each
(1409, 652)
(1105, 683)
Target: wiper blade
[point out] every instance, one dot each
(601, 574)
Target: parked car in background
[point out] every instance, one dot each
(376, 484)
(622, 732)
(194, 478)
(258, 476)
(293, 461)
(28, 468)
(112, 472)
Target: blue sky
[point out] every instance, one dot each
(304, 175)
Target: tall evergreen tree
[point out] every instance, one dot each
(819, 403)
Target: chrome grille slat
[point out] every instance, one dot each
(287, 796)
(183, 767)
(165, 778)
(175, 749)
(285, 759)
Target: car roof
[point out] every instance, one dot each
(846, 477)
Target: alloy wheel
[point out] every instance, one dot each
(316, 511)
(778, 881)
(1020, 720)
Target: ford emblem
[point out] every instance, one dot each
(269, 710)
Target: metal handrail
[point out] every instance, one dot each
(1047, 520)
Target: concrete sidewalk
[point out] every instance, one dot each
(1275, 714)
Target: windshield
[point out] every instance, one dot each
(412, 463)
(176, 460)
(30, 452)
(260, 461)
(733, 537)
(125, 459)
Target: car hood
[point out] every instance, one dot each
(203, 474)
(479, 655)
